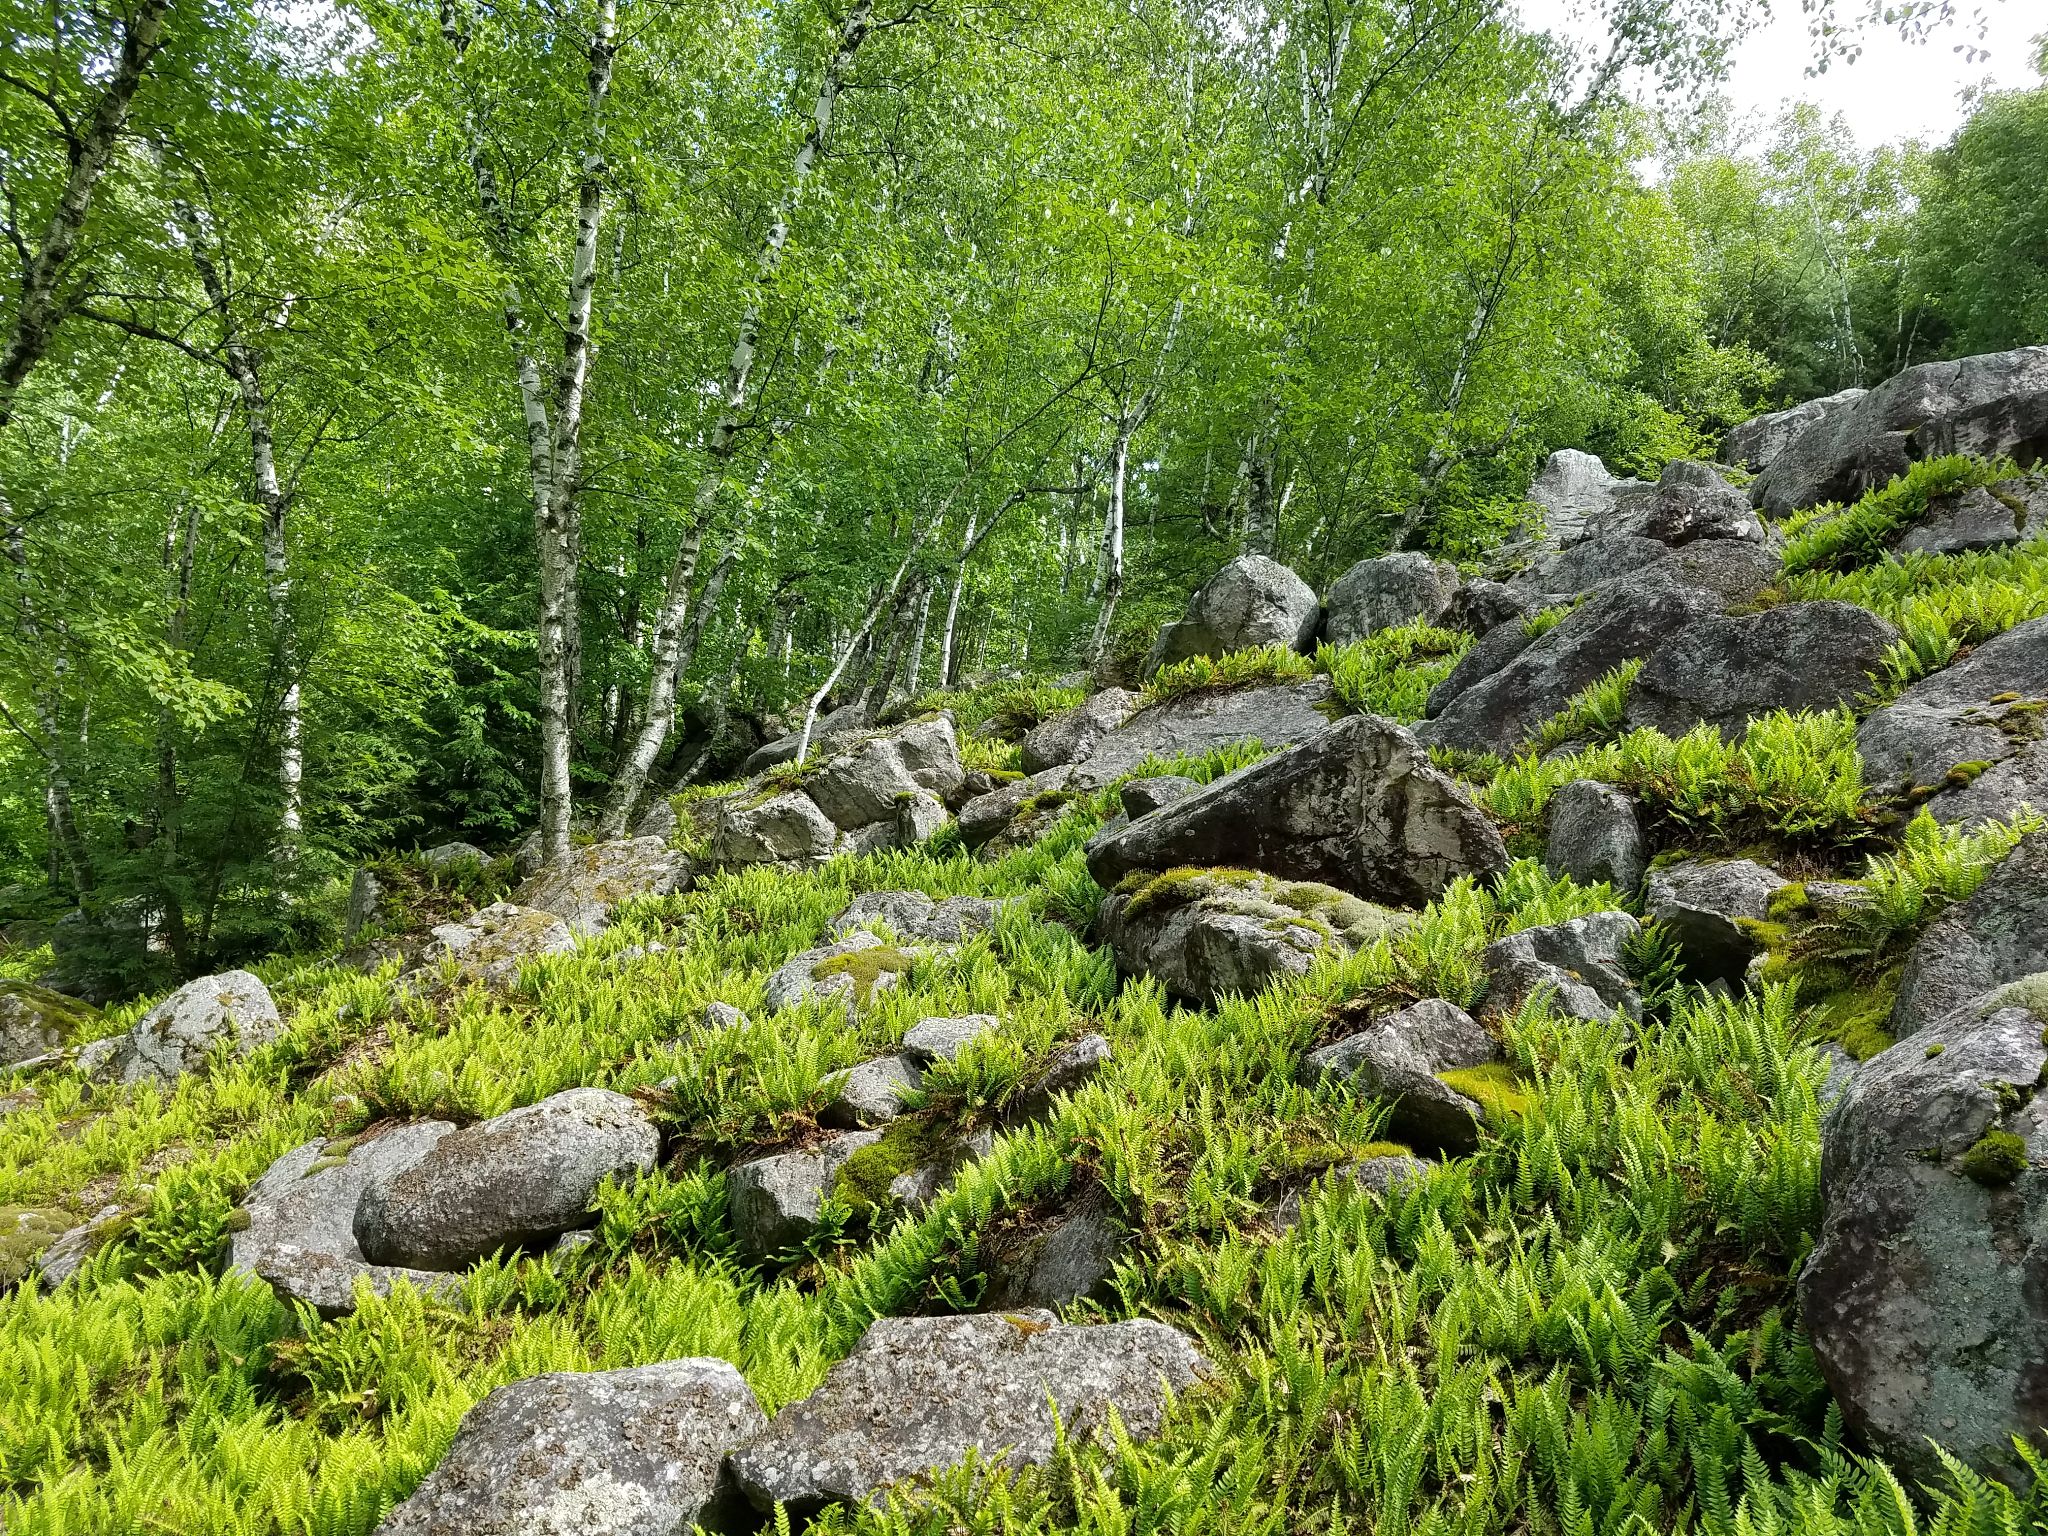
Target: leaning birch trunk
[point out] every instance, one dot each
(947, 640)
(57, 802)
(883, 600)
(892, 656)
(658, 719)
(915, 674)
(1112, 547)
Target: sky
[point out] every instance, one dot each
(1896, 90)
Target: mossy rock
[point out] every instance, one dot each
(25, 1231)
(2029, 992)
(910, 1142)
(1494, 1088)
(34, 1020)
(1997, 1159)
(865, 967)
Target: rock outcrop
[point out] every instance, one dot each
(1756, 444)
(1360, 807)
(1925, 1293)
(776, 1201)
(1069, 737)
(1214, 933)
(1575, 491)
(1400, 1059)
(514, 1181)
(931, 1041)
(1389, 591)
(300, 1232)
(1196, 724)
(871, 1093)
(1725, 671)
(1596, 834)
(912, 915)
(34, 1021)
(920, 1393)
(852, 968)
(1577, 965)
(861, 785)
(1974, 733)
(633, 1452)
(1702, 904)
(1992, 405)
(1979, 517)
(785, 830)
(1250, 602)
(232, 1011)
(1997, 936)
(596, 878)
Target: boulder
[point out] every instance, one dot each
(1588, 565)
(871, 1093)
(1574, 490)
(231, 1011)
(1737, 571)
(917, 1187)
(301, 1214)
(1495, 649)
(658, 820)
(862, 784)
(1692, 501)
(776, 1201)
(1141, 797)
(1992, 405)
(785, 830)
(1196, 724)
(1070, 1068)
(1072, 736)
(1577, 964)
(1381, 1174)
(848, 720)
(931, 1041)
(1997, 936)
(1360, 807)
(1973, 732)
(365, 892)
(1596, 834)
(491, 946)
(1065, 1262)
(441, 855)
(852, 968)
(1978, 518)
(1209, 934)
(920, 815)
(61, 1261)
(597, 877)
(912, 915)
(1756, 444)
(920, 1394)
(1398, 1059)
(1389, 591)
(1725, 670)
(1702, 903)
(1481, 606)
(1500, 712)
(35, 1021)
(990, 816)
(1924, 1294)
(633, 1452)
(514, 1181)
(1250, 602)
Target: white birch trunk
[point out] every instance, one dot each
(1112, 546)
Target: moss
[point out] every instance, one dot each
(1998, 1158)
(1966, 773)
(1788, 902)
(2029, 992)
(1050, 800)
(1377, 1149)
(910, 1142)
(62, 1015)
(865, 966)
(1935, 1050)
(1493, 1088)
(1180, 886)
(25, 1231)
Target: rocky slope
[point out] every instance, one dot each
(1548, 1047)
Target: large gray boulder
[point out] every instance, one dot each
(847, 720)
(1997, 936)
(1575, 490)
(1502, 711)
(786, 831)
(863, 784)
(1596, 834)
(1702, 904)
(1926, 1295)
(1726, 670)
(920, 1394)
(1991, 405)
(1197, 724)
(510, 1182)
(1588, 564)
(596, 878)
(1493, 650)
(492, 945)
(1209, 934)
(912, 915)
(1072, 736)
(232, 1011)
(633, 1452)
(776, 1201)
(1979, 517)
(1756, 444)
(1691, 501)
(1360, 807)
(300, 1232)
(1972, 732)
(1398, 1058)
(1252, 601)
(1065, 1262)
(871, 1093)
(1576, 964)
(1389, 591)
(34, 1021)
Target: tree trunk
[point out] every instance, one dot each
(658, 718)
(57, 804)
(883, 599)
(1112, 547)
(924, 617)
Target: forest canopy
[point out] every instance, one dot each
(429, 420)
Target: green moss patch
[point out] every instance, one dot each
(25, 1231)
(1998, 1158)
(1493, 1087)
(865, 966)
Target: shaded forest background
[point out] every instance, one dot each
(443, 415)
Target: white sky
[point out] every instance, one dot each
(1895, 90)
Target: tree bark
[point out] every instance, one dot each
(658, 718)
(915, 675)
(882, 600)
(57, 802)
(1112, 546)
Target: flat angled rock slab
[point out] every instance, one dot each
(633, 1452)
(1197, 724)
(521, 1178)
(1725, 671)
(491, 946)
(1359, 807)
(1070, 737)
(920, 1393)
(1756, 444)
(1976, 733)
(1701, 904)
(301, 1232)
(1998, 936)
(596, 878)
(912, 915)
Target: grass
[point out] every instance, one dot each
(1588, 1325)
